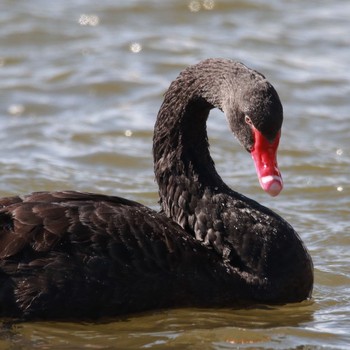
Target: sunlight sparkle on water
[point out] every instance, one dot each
(135, 47)
(196, 6)
(339, 152)
(15, 109)
(88, 20)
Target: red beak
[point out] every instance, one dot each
(265, 159)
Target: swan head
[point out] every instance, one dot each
(255, 115)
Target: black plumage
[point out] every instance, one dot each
(82, 255)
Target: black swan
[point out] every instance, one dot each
(81, 255)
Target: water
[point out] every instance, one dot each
(81, 84)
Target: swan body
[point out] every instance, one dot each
(81, 255)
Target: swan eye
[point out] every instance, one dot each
(248, 120)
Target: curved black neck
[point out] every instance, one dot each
(183, 166)
(183, 149)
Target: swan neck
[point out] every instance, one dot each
(184, 169)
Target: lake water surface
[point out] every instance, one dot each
(81, 82)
